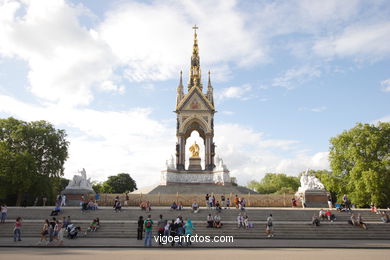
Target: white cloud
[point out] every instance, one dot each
(138, 41)
(249, 154)
(153, 40)
(296, 76)
(239, 92)
(385, 85)
(314, 109)
(362, 41)
(65, 60)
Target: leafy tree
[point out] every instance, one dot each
(275, 183)
(360, 162)
(97, 187)
(30, 152)
(119, 184)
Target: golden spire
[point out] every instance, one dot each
(195, 72)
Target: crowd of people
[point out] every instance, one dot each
(53, 229)
(175, 228)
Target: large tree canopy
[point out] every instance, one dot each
(360, 163)
(116, 184)
(275, 183)
(30, 154)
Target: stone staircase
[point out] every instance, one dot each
(288, 223)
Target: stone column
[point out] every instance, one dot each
(206, 152)
(180, 153)
(209, 152)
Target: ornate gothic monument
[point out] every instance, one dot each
(195, 112)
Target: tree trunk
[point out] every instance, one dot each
(19, 198)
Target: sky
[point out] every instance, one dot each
(287, 77)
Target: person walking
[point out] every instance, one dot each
(17, 232)
(148, 223)
(44, 232)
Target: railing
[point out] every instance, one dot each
(252, 200)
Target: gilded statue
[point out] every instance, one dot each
(194, 149)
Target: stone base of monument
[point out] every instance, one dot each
(195, 164)
(316, 198)
(169, 177)
(73, 196)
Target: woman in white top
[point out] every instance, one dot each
(4, 211)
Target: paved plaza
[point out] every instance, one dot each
(189, 254)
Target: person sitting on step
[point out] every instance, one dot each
(195, 207)
(143, 205)
(93, 226)
(315, 220)
(360, 222)
(217, 221)
(353, 221)
(385, 217)
(174, 205)
(321, 214)
(331, 217)
(179, 206)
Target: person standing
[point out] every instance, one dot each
(17, 232)
(210, 202)
(4, 211)
(207, 200)
(148, 223)
(189, 228)
(63, 200)
(82, 200)
(161, 227)
(236, 201)
(127, 199)
(227, 203)
(223, 201)
(140, 228)
(269, 226)
(97, 197)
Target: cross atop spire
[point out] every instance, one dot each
(195, 28)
